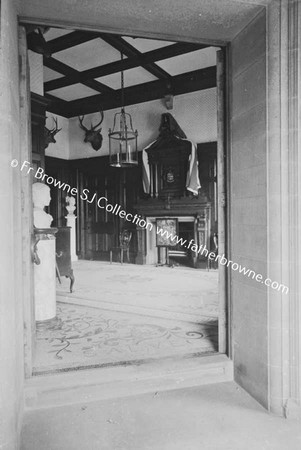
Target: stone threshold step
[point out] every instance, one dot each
(82, 386)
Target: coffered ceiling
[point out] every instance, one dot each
(83, 73)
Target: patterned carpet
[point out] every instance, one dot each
(91, 337)
(124, 313)
(158, 291)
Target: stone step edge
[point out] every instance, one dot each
(101, 384)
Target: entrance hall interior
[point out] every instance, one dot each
(258, 327)
(137, 294)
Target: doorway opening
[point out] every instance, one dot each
(150, 301)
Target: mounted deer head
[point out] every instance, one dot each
(93, 135)
(49, 134)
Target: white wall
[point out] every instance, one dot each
(36, 72)
(195, 113)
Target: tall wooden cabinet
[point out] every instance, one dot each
(168, 163)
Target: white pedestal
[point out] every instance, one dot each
(71, 223)
(44, 278)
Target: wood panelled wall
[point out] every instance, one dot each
(98, 230)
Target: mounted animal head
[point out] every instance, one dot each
(93, 135)
(49, 134)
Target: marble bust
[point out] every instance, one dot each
(41, 198)
(70, 201)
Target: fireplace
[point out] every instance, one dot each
(182, 185)
(176, 254)
(193, 228)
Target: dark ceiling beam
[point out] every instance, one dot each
(181, 84)
(57, 106)
(128, 50)
(129, 63)
(79, 37)
(62, 68)
(70, 40)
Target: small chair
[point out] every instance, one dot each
(124, 246)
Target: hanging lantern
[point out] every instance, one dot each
(123, 138)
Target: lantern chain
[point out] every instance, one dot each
(122, 84)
